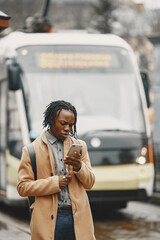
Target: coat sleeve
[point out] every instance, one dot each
(85, 174)
(27, 186)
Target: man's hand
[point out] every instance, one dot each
(74, 161)
(64, 180)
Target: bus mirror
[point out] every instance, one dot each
(14, 76)
(145, 80)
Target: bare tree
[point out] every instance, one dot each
(103, 15)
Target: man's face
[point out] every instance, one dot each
(63, 125)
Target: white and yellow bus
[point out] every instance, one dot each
(98, 73)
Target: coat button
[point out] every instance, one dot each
(52, 217)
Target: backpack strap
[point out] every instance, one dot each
(33, 159)
(32, 154)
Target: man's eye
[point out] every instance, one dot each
(62, 124)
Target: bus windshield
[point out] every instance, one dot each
(98, 80)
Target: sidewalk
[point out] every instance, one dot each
(10, 232)
(12, 227)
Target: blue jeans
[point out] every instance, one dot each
(64, 225)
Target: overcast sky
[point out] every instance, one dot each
(152, 3)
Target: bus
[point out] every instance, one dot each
(98, 74)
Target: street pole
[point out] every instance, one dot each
(47, 2)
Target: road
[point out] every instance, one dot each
(14, 223)
(139, 221)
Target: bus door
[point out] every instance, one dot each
(3, 135)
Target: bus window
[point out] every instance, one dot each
(102, 73)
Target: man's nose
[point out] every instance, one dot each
(67, 128)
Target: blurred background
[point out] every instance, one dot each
(103, 16)
(123, 139)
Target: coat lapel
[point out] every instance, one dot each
(44, 139)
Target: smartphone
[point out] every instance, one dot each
(75, 148)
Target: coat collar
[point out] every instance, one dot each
(44, 138)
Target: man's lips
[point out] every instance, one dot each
(65, 134)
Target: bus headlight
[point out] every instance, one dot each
(144, 151)
(141, 160)
(95, 142)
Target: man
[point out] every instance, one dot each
(61, 210)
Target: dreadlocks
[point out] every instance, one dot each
(53, 110)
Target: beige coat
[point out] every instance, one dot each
(46, 187)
